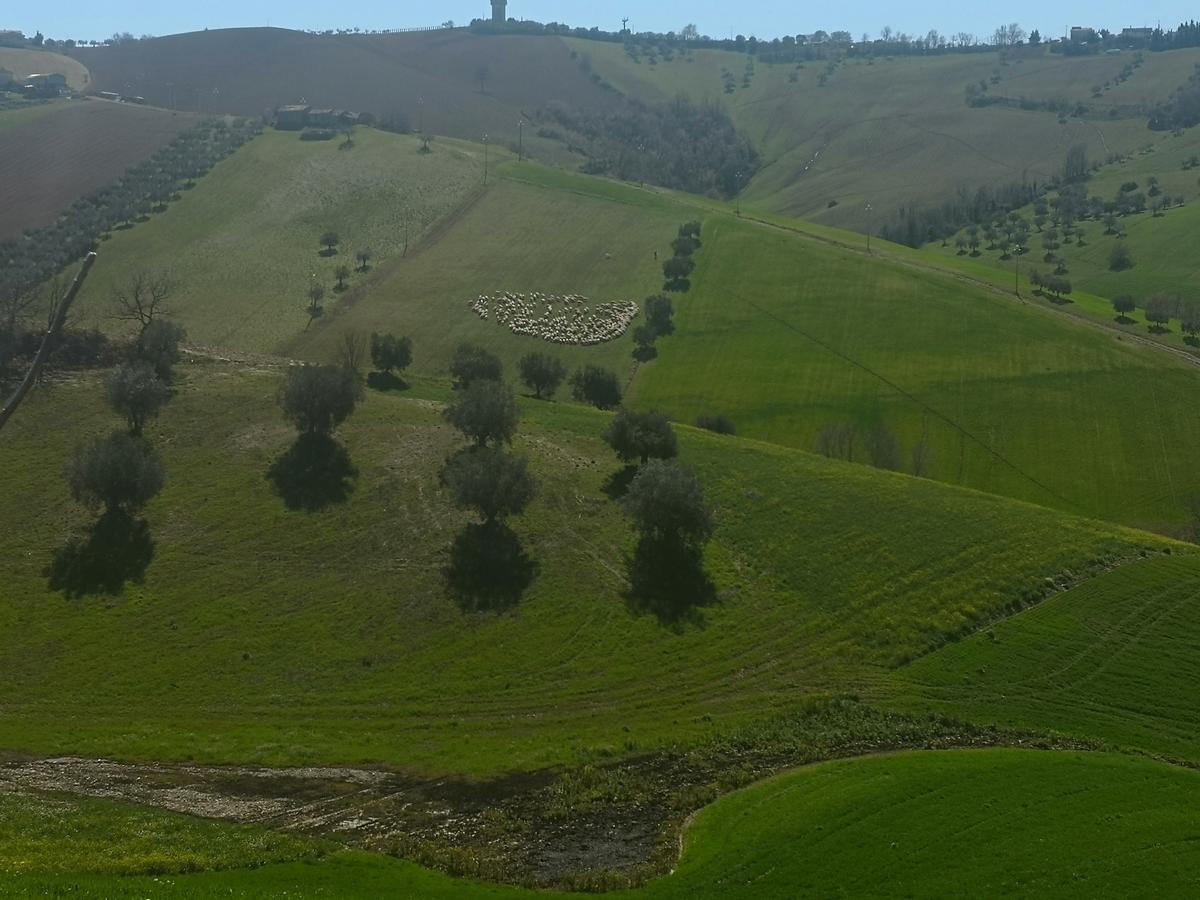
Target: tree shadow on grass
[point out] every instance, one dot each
(1125, 320)
(314, 473)
(386, 381)
(117, 549)
(617, 484)
(667, 579)
(489, 570)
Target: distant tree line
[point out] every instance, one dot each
(41, 253)
(680, 144)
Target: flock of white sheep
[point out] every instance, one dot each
(560, 319)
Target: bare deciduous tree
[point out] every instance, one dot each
(143, 297)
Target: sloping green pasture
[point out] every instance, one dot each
(1115, 658)
(788, 336)
(552, 234)
(916, 824)
(263, 634)
(243, 245)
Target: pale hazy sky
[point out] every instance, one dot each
(757, 17)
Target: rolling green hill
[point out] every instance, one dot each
(916, 824)
(785, 334)
(284, 637)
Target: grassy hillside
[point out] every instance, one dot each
(244, 247)
(788, 336)
(427, 78)
(52, 153)
(544, 235)
(265, 634)
(1161, 245)
(784, 334)
(916, 824)
(891, 132)
(1115, 659)
(29, 62)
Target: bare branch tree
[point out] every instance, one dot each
(143, 297)
(352, 351)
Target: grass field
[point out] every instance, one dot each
(284, 637)
(788, 336)
(532, 231)
(892, 132)
(52, 154)
(1115, 658)
(916, 824)
(243, 245)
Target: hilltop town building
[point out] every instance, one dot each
(1081, 34)
(498, 11)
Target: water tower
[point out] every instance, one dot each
(498, 13)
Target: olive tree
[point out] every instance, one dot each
(316, 399)
(641, 436)
(135, 392)
(666, 503)
(473, 363)
(389, 352)
(490, 480)
(597, 386)
(485, 412)
(542, 373)
(118, 473)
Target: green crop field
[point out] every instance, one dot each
(282, 637)
(915, 824)
(788, 336)
(1114, 659)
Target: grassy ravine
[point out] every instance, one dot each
(1114, 658)
(923, 824)
(282, 637)
(243, 245)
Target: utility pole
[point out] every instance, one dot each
(870, 225)
(520, 140)
(624, 24)
(485, 159)
(739, 194)
(1017, 268)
